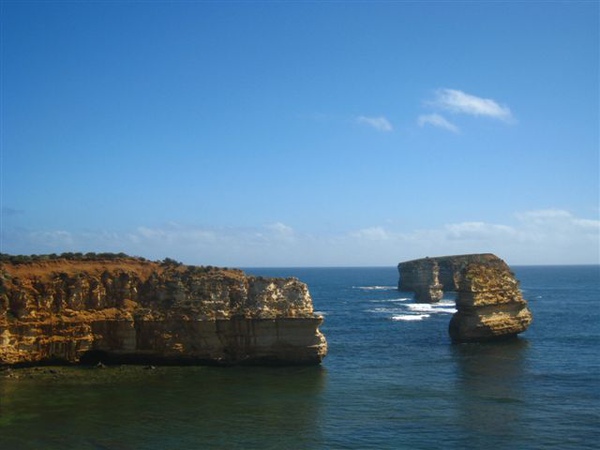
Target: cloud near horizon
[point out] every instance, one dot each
(378, 123)
(550, 236)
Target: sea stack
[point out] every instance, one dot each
(429, 278)
(489, 304)
(117, 309)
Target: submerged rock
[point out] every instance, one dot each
(132, 310)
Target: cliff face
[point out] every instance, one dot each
(428, 278)
(130, 310)
(489, 304)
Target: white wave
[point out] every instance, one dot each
(410, 317)
(390, 300)
(420, 306)
(445, 302)
(432, 308)
(384, 310)
(376, 288)
(445, 310)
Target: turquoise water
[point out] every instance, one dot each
(392, 379)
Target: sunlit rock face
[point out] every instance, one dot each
(132, 310)
(429, 278)
(489, 304)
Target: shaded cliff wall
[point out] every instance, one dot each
(131, 310)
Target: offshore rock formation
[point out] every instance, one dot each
(429, 278)
(129, 310)
(489, 303)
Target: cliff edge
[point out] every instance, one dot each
(130, 310)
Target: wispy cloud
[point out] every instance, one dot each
(372, 234)
(438, 121)
(549, 236)
(379, 123)
(460, 102)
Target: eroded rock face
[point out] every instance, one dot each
(131, 310)
(489, 304)
(429, 278)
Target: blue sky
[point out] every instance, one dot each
(301, 133)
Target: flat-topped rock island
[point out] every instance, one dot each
(119, 309)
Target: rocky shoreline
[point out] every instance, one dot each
(128, 310)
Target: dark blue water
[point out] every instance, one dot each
(392, 380)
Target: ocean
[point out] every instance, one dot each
(392, 380)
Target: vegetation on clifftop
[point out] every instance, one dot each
(70, 256)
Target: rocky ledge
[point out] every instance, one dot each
(130, 310)
(489, 302)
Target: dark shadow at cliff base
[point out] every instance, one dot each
(96, 357)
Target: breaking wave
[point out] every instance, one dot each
(376, 288)
(442, 307)
(400, 309)
(410, 317)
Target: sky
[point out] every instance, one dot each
(301, 133)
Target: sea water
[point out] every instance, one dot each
(392, 380)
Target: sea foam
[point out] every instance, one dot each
(410, 317)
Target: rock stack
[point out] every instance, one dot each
(421, 277)
(489, 304)
(429, 278)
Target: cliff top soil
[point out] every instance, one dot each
(46, 269)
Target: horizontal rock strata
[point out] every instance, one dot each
(133, 310)
(489, 304)
(429, 278)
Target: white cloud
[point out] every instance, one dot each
(281, 229)
(559, 225)
(379, 123)
(551, 236)
(372, 234)
(438, 121)
(279, 232)
(53, 239)
(478, 231)
(460, 102)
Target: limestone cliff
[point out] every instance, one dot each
(489, 304)
(429, 278)
(132, 310)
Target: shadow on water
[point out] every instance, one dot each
(491, 392)
(168, 407)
